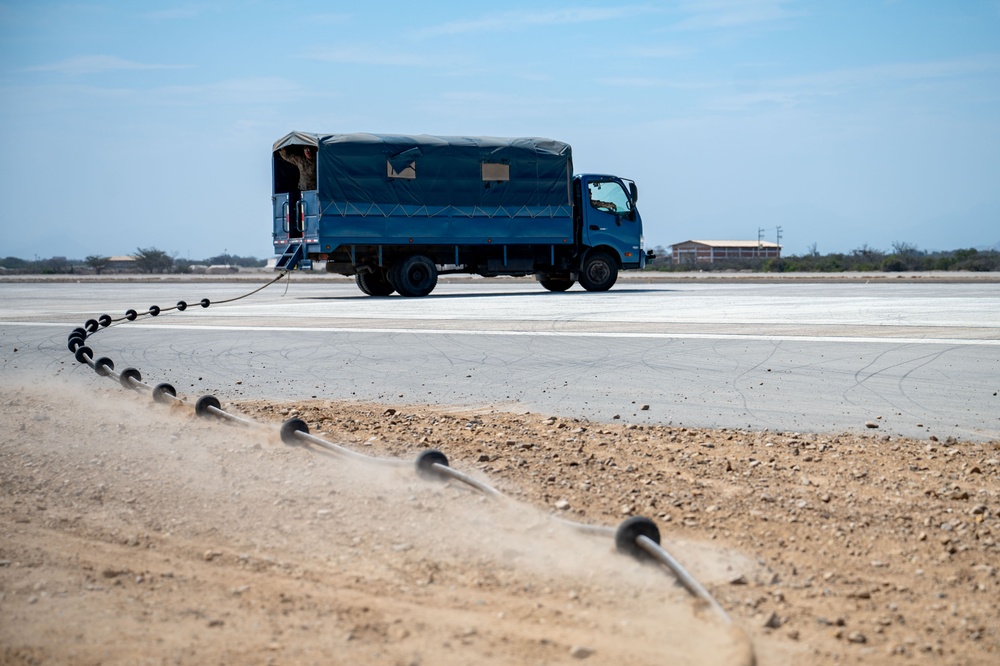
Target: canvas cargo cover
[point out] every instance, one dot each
(439, 171)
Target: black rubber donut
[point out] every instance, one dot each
(91, 325)
(205, 302)
(163, 392)
(131, 314)
(103, 366)
(127, 375)
(78, 332)
(630, 530)
(289, 428)
(425, 463)
(74, 344)
(154, 310)
(182, 305)
(204, 402)
(83, 353)
(104, 320)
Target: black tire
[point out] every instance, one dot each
(204, 402)
(557, 283)
(163, 393)
(426, 460)
(127, 376)
(632, 529)
(289, 428)
(103, 366)
(600, 272)
(375, 283)
(415, 276)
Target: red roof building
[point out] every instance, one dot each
(711, 251)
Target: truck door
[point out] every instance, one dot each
(281, 210)
(610, 218)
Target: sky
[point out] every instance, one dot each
(837, 125)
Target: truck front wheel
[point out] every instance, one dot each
(414, 276)
(600, 272)
(374, 283)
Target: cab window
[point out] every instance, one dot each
(609, 196)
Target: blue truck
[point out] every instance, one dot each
(397, 211)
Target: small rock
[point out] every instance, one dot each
(871, 424)
(857, 637)
(772, 621)
(739, 580)
(580, 652)
(211, 555)
(644, 408)
(562, 505)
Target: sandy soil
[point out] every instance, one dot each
(137, 533)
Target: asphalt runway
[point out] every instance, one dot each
(915, 358)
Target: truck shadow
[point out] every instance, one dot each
(549, 294)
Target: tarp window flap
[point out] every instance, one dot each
(403, 165)
(495, 171)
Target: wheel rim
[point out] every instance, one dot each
(598, 271)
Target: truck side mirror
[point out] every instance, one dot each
(633, 189)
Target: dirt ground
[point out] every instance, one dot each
(136, 533)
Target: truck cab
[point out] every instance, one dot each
(609, 218)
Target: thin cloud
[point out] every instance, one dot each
(374, 55)
(520, 20)
(97, 64)
(723, 14)
(793, 90)
(175, 13)
(663, 51)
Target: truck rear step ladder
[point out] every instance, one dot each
(293, 257)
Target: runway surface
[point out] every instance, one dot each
(916, 359)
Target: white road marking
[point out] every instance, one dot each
(565, 334)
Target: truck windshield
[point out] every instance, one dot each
(609, 196)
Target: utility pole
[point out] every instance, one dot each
(760, 239)
(779, 235)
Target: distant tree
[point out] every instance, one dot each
(813, 250)
(151, 260)
(866, 258)
(904, 249)
(58, 265)
(97, 262)
(235, 260)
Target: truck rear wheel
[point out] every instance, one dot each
(600, 272)
(374, 283)
(415, 276)
(552, 283)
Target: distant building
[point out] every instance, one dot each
(711, 251)
(122, 264)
